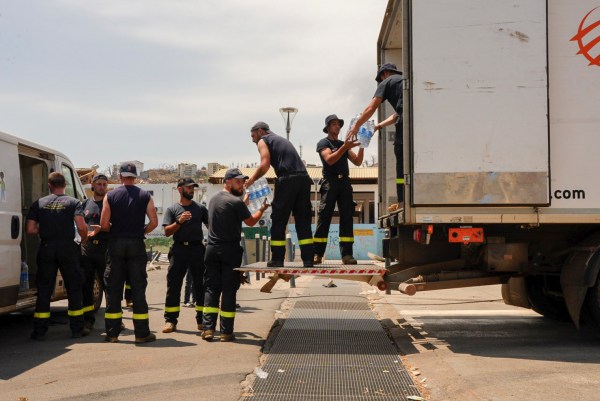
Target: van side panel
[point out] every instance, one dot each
(10, 236)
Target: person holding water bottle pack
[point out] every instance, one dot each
(336, 188)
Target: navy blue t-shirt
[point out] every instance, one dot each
(284, 158)
(128, 205)
(339, 167)
(54, 215)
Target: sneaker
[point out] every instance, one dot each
(208, 334)
(275, 263)
(188, 305)
(38, 336)
(83, 333)
(349, 260)
(317, 260)
(169, 327)
(148, 339)
(111, 339)
(225, 338)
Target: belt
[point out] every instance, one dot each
(188, 243)
(98, 242)
(294, 174)
(336, 176)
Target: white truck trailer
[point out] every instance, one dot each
(24, 169)
(501, 129)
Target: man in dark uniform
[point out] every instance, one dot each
(52, 218)
(183, 221)
(123, 214)
(336, 188)
(389, 88)
(226, 211)
(292, 192)
(93, 251)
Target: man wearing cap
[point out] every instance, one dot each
(336, 188)
(123, 214)
(226, 212)
(292, 192)
(52, 217)
(183, 221)
(389, 88)
(93, 251)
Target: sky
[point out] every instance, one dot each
(182, 81)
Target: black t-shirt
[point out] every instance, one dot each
(92, 210)
(390, 89)
(55, 214)
(226, 213)
(191, 230)
(128, 205)
(339, 167)
(284, 158)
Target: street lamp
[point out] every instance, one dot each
(288, 114)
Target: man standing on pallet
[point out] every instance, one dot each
(292, 192)
(336, 188)
(226, 211)
(183, 221)
(123, 215)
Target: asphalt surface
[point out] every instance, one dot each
(466, 344)
(177, 366)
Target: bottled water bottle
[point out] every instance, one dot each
(365, 132)
(24, 284)
(257, 193)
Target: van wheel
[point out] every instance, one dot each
(98, 291)
(592, 301)
(542, 294)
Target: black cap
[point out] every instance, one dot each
(330, 119)
(99, 177)
(186, 182)
(235, 173)
(128, 169)
(260, 125)
(386, 67)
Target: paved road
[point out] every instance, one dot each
(467, 345)
(177, 366)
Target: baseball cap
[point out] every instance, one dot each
(235, 173)
(330, 119)
(99, 177)
(186, 182)
(128, 169)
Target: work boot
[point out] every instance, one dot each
(169, 327)
(88, 324)
(349, 260)
(318, 259)
(208, 335)
(396, 206)
(111, 339)
(83, 333)
(200, 328)
(275, 263)
(148, 339)
(225, 338)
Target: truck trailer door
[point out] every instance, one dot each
(479, 96)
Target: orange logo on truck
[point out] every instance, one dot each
(590, 48)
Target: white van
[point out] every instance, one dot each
(24, 169)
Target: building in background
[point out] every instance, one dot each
(212, 168)
(187, 170)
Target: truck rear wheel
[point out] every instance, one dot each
(542, 292)
(98, 291)
(593, 303)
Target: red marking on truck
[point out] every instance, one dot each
(586, 48)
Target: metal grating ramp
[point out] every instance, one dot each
(332, 348)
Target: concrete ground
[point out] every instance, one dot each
(177, 366)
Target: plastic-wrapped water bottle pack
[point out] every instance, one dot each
(257, 193)
(365, 132)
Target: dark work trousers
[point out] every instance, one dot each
(399, 153)
(335, 190)
(292, 195)
(55, 255)
(221, 282)
(93, 260)
(126, 258)
(182, 257)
